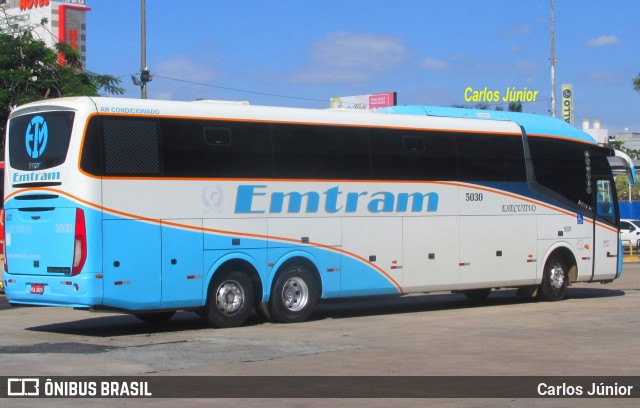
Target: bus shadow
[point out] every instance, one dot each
(384, 305)
(590, 293)
(128, 325)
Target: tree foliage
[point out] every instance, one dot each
(622, 187)
(513, 106)
(636, 83)
(31, 71)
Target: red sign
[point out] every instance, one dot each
(69, 31)
(29, 4)
(72, 38)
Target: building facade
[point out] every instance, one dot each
(630, 140)
(64, 21)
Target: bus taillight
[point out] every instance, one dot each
(80, 243)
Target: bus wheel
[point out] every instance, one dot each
(156, 317)
(477, 295)
(555, 280)
(294, 295)
(229, 301)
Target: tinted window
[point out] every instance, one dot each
(229, 149)
(486, 157)
(91, 158)
(39, 141)
(605, 202)
(131, 147)
(413, 155)
(201, 148)
(321, 152)
(568, 168)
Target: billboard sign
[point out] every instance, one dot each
(370, 101)
(567, 103)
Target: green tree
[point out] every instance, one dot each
(636, 83)
(622, 187)
(515, 106)
(622, 183)
(31, 71)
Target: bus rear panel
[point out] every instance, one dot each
(45, 228)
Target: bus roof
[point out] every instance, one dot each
(403, 116)
(532, 124)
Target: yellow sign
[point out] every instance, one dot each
(567, 103)
(511, 94)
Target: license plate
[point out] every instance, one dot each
(37, 288)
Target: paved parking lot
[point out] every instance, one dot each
(595, 331)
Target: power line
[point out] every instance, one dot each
(240, 90)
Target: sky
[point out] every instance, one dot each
(302, 53)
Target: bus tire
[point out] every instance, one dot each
(294, 295)
(155, 317)
(477, 295)
(229, 300)
(555, 279)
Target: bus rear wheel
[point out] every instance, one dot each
(555, 279)
(229, 301)
(294, 295)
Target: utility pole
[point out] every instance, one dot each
(143, 47)
(553, 66)
(145, 74)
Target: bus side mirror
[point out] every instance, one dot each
(629, 169)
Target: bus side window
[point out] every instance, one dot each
(131, 147)
(413, 155)
(604, 200)
(320, 152)
(212, 148)
(491, 157)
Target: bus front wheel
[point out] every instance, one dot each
(555, 279)
(294, 295)
(229, 301)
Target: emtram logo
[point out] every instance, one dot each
(36, 137)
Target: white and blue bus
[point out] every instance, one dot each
(149, 207)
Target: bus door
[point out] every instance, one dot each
(605, 232)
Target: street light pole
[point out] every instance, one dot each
(143, 49)
(553, 66)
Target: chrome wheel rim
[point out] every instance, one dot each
(295, 294)
(230, 297)
(556, 275)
